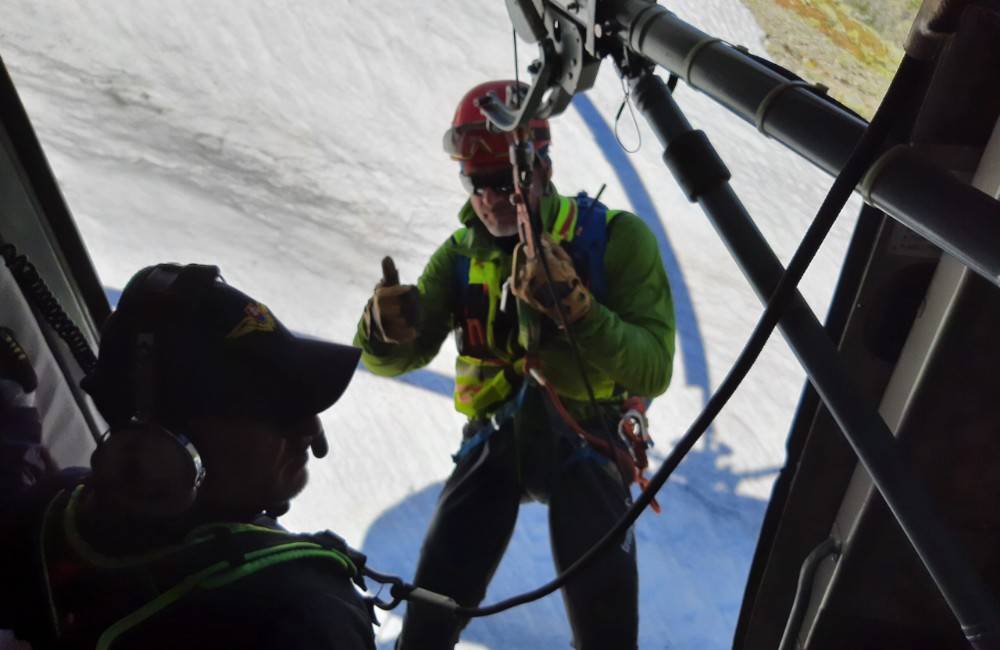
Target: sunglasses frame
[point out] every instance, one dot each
(478, 183)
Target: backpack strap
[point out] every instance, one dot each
(590, 240)
(209, 557)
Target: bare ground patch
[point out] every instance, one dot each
(850, 46)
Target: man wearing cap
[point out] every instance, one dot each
(169, 541)
(519, 443)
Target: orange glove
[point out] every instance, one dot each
(528, 282)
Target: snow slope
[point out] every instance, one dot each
(296, 143)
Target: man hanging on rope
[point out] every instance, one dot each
(531, 434)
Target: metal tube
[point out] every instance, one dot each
(956, 217)
(867, 433)
(811, 126)
(828, 547)
(816, 129)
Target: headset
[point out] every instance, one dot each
(143, 466)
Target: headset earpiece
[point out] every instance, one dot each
(148, 471)
(142, 466)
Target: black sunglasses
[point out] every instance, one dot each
(501, 182)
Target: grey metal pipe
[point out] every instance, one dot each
(809, 125)
(954, 216)
(826, 548)
(818, 130)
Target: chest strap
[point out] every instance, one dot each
(210, 557)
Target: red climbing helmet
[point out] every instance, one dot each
(479, 147)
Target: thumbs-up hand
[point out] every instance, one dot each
(393, 313)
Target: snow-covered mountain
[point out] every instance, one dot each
(296, 143)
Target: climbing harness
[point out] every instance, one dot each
(489, 426)
(209, 557)
(630, 456)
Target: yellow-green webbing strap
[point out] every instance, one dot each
(221, 574)
(43, 540)
(214, 576)
(202, 534)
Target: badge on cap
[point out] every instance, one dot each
(257, 319)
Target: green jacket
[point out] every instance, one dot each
(627, 343)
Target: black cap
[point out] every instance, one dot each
(184, 343)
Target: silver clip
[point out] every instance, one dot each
(504, 292)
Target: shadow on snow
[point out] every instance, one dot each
(693, 561)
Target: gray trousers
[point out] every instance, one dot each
(533, 456)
